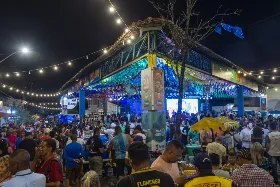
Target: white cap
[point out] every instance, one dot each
(47, 130)
(113, 125)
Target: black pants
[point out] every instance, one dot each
(120, 164)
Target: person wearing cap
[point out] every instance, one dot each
(144, 175)
(47, 135)
(205, 175)
(249, 174)
(138, 132)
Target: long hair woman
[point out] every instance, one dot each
(257, 153)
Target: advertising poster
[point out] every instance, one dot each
(158, 91)
(154, 125)
(146, 89)
(263, 103)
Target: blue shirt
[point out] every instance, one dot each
(120, 143)
(72, 151)
(18, 140)
(26, 178)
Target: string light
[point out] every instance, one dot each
(250, 73)
(132, 37)
(118, 21)
(28, 93)
(276, 89)
(239, 72)
(7, 75)
(245, 74)
(128, 41)
(261, 72)
(275, 70)
(105, 51)
(55, 68)
(259, 76)
(41, 71)
(112, 9)
(126, 30)
(273, 78)
(17, 74)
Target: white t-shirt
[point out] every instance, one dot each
(246, 134)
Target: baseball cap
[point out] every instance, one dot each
(202, 161)
(138, 138)
(47, 130)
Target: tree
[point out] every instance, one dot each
(185, 31)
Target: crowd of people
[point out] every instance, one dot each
(43, 154)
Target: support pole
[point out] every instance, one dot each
(240, 101)
(82, 106)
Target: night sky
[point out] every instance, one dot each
(61, 30)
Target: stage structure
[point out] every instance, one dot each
(143, 72)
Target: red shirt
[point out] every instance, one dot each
(54, 167)
(12, 140)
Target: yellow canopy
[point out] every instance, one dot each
(228, 123)
(207, 124)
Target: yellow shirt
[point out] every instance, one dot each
(211, 181)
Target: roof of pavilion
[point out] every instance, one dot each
(134, 30)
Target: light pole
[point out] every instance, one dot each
(23, 50)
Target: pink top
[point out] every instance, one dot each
(171, 169)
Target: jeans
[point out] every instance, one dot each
(273, 160)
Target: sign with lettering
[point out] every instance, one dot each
(69, 102)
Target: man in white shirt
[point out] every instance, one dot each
(19, 166)
(110, 132)
(245, 136)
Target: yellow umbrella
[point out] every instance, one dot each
(207, 124)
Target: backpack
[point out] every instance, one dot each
(3, 147)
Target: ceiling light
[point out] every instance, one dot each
(261, 72)
(275, 70)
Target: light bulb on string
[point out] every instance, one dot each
(11, 88)
(276, 89)
(261, 72)
(69, 63)
(55, 68)
(118, 21)
(275, 70)
(17, 90)
(7, 75)
(17, 74)
(41, 71)
(272, 78)
(259, 76)
(112, 9)
(32, 93)
(132, 37)
(27, 93)
(105, 51)
(239, 71)
(245, 74)
(126, 30)
(128, 41)
(4, 86)
(22, 92)
(250, 73)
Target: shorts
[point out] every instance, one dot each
(73, 172)
(120, 164)
(96, 164)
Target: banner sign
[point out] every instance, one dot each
(229, 74)
(263, 104)
(152, 89)
(154, 125)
